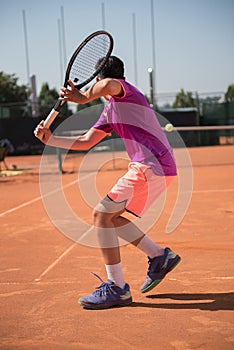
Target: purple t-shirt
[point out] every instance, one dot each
(135, 122)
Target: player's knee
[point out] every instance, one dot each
(105, 211)
(101, 219)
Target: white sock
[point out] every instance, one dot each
(115, 274)
(150, 248)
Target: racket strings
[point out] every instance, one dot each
(87, 60)
(85, 64)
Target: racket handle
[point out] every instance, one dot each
(53, 114)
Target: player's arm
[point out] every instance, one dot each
(82, 143)
(102, 88)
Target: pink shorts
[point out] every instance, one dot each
(139, 188)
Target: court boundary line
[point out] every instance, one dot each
(75, 181)
(214, 190)
(67, 251)
(55, 262)
(34, 282)
(25, 204)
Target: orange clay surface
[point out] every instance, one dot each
(43, 273)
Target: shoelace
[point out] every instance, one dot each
(150, 262)
(104, 289)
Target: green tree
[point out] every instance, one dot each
(11, 91)
(229, 96)
(184, 100)
(210, 100)
(47, 98)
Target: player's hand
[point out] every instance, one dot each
(70, 93)
(42, 133)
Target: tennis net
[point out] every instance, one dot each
(195, 136)
(188, 137)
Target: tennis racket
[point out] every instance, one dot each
(85, 64)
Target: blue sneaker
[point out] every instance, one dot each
(107, 295)
(158, 268)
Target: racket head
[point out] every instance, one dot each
(83, 66)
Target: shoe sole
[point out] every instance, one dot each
(156, 282)
(103, 306)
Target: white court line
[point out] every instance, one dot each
(207, 191)
(206, 278)
(219, 278)
(25, 204)
(55, 262)
(34, 283)
(75, 181)
(20, 206)
(12, 283)
(214, 191)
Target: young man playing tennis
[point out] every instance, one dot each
(151, 169)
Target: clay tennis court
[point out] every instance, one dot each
(43, 273)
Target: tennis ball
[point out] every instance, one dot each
(169, 127)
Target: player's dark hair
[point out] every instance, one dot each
(114, 68)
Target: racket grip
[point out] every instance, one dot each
(51, 117)
(53, 114)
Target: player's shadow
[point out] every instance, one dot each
(200, 301)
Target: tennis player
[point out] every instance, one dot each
(151, 169)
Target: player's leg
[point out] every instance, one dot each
(129, 232)
(114, 292)
(143, 188)
(108, 239)
(160, 260)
